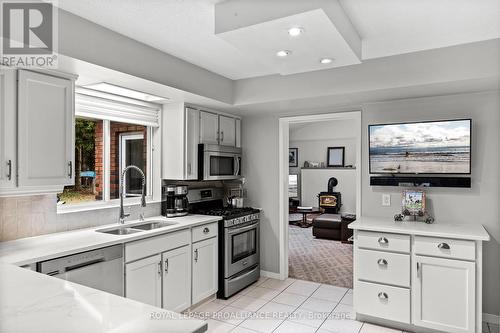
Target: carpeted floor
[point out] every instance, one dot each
(318, 260)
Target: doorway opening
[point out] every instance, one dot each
(320, 194)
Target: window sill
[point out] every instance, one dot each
(101, 205)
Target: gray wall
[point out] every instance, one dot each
(477, 205)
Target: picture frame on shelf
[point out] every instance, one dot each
(413, 202)
(335, 157)
(293, 157)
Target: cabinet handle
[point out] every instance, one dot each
(443, 246)
(166, 265)
(382, 262)
(9, 172)
(159, 268)
(383, 295)
(206, 230)
(418, 270)
(196, 255)
(383, 240)
(222, 136)
(218, 136)
(70, 171)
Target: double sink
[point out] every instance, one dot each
(132, 229)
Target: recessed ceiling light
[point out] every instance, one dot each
(125, 92)
(283, 53)
(325, 61)
(295, 31)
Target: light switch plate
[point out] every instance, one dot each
(386, 199)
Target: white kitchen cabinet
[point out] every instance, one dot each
(176, 281)
(143, 280)
(238, 133)
(45, 130)
(8, 159)
(209, 128)
(205, 263)
(444, 294)
(227, 131)
(180, 139)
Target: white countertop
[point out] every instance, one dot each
(33, 302)
(446, 230)
(33, 249)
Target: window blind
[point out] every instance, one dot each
(118, 109)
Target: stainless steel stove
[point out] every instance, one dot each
(239, 243)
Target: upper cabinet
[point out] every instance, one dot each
(183, 129)
(8, 115)
(220, 129)
(43, 136)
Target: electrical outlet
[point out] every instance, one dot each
(386, 199)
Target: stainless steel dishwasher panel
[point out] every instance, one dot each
(101, 269)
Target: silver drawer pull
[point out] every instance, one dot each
(383, 240)
(382, 262)
(206, 231)
(443, 246)
(383, 295)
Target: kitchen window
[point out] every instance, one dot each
(110, 136)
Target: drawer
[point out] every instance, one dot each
(154, 245)
(445, 247)
(383, 241)
(381, 301)
(205, 231)
(383, 267)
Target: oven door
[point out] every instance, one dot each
(221, 166)
(241, 247)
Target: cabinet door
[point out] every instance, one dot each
(143, 280)
(204, 269)
(227, 128)
(209, 128)
(8, 114)
(45, 130)
(238, 133)
(192, 135)
(177, 279)
(444, 294)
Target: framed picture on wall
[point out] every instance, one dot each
(335, 156)
(293, 157)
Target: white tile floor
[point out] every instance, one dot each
(290, 306)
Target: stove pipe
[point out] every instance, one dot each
(332, 182)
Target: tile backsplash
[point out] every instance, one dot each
(37, 215)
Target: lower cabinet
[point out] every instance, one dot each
(444, 294)
(143, 280)
(176, 281)
(204, 269)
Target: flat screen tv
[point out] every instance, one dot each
(431, 147)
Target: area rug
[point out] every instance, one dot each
(318, 260)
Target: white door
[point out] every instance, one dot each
(192, 140)
(8, 114)
(204, 269)
(444, 294)
(45, 130)
(227, 128)
(209, 128)
(177, 279)
(143, 280)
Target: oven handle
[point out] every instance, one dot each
(236, 230)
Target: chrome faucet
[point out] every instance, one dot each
(122, 191)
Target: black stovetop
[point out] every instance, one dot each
(216, 208)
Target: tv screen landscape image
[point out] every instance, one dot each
(433, 147)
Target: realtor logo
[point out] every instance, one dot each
(28, 31)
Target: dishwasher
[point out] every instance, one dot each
(100, 269)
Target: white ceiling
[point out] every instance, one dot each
(185, 28)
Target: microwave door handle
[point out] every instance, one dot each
(237, 162)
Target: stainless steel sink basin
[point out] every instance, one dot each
(119, 231)
(150, 225)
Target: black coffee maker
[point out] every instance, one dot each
(174, 200)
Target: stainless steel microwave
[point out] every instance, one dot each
(217, 162)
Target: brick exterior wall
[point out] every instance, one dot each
(116, 129)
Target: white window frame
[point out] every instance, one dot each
(124, 137)
(153, 172)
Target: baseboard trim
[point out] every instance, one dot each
(491, 318)
(271, 275)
